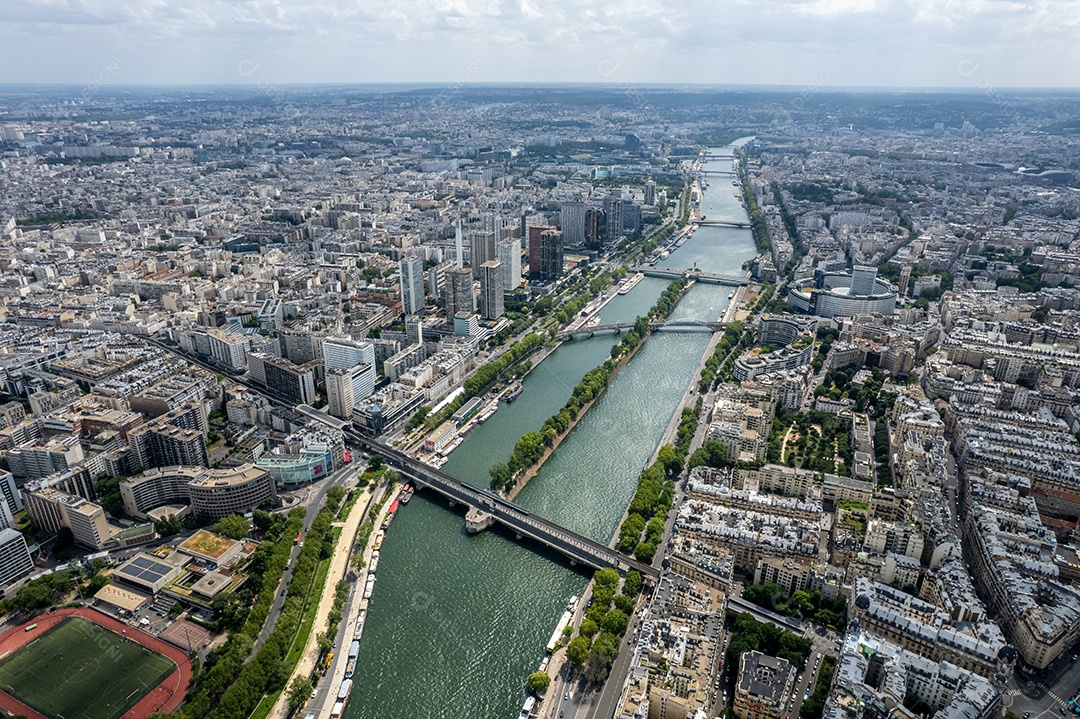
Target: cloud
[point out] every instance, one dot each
(747, 41)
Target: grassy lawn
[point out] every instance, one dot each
(79, 670)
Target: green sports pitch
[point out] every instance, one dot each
(79, 670)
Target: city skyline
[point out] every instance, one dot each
(816, 44)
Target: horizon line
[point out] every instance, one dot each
(433, 84)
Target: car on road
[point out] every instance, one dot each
(566, 696)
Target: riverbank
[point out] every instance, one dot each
(355, 604)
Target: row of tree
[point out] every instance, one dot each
(729, 344)
(597, 643)
(648, 509)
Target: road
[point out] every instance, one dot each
(1045, 696)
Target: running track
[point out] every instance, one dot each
(165, 697)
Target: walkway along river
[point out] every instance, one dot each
(458, 621)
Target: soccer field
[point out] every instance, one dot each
(79, 670)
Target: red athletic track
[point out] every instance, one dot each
(165, 697)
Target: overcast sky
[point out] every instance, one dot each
(944, 43)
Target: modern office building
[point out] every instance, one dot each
(763, 686)
(458, 295)
(650, 192)
(15, 561)
(843, 295)
(491, 290)
(346, 387)
(237, 490)
(290, 471)
(481, 249)
(293, 383)
(10, 500)
(33, 460)
(613, 214)
(572, 223)
(215, 492)
(863, 279)
(346, 353)
(411, 269)
(465, 324)
(534, 246)
(509, 252)
(87, 522)
(161, 445)
(551, 255)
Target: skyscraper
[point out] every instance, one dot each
(551, 255)
(412, 284)
(481, 249)
(650, 192)
(534, 248)
(862, 280)
(509, 252)
(613, 211)
(491, 290)
(595, 222)
(572, 223)
(459, 295)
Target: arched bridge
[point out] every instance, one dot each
(577, 548)
(722, 223)
(707, 278)
(620, 327)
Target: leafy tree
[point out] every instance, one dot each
(168, 526)
(299, 691)
(539, 682)
(624, 603)
(334, 496)
(588, 628)
(325, 641)
(501, 476)
(632, 585)
(595, 668)
(577, 650)
(607, 578)
(235, 526)
(614, 622)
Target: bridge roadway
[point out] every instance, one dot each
(707, 278)
(620, 327)
(722, 223)
(577, 548)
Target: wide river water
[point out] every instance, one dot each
(458, 621)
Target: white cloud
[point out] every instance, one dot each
(737, 41)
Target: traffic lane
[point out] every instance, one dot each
(806, 682)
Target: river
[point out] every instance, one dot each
(458, 621)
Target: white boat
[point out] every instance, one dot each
(630, 283)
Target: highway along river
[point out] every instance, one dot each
(458, 621)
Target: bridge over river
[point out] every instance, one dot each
(577, 548)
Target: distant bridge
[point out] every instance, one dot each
(718, 173)
(577, 548)
(620, 327)
(724, 223)
(707, 278)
